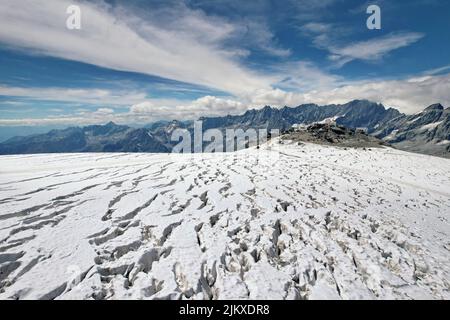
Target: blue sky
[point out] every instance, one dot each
(136, 61)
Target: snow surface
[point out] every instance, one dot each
(430, 126)
(282, 222)
(443, 142)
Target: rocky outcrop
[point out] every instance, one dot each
(335, 135)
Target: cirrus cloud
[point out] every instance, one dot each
(112, 37)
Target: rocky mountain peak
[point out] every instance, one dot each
(433, 107)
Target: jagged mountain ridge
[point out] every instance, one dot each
(357, 113)
(426, 132)
(97, 138)
(156, 137)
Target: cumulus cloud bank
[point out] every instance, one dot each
(409, 96)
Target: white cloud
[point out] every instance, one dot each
(258, 35)
(76, 95)
(59, 120)
(216, 105)
(316, 27)
(334, 39)
(141, 113)
(373, 49)
(437, 70)
(113, 38)
(207, 105)
(408, 95)
(303, 76)
(103, 111)
(145, 107)
(186, 45)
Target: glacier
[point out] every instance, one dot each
(278, 222)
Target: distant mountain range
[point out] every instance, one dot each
(97, 138)
(426, 132)
(357, 113)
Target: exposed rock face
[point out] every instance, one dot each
(357, 113)
(425, 132)
(336, 135)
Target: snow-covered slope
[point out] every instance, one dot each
(307, 222)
